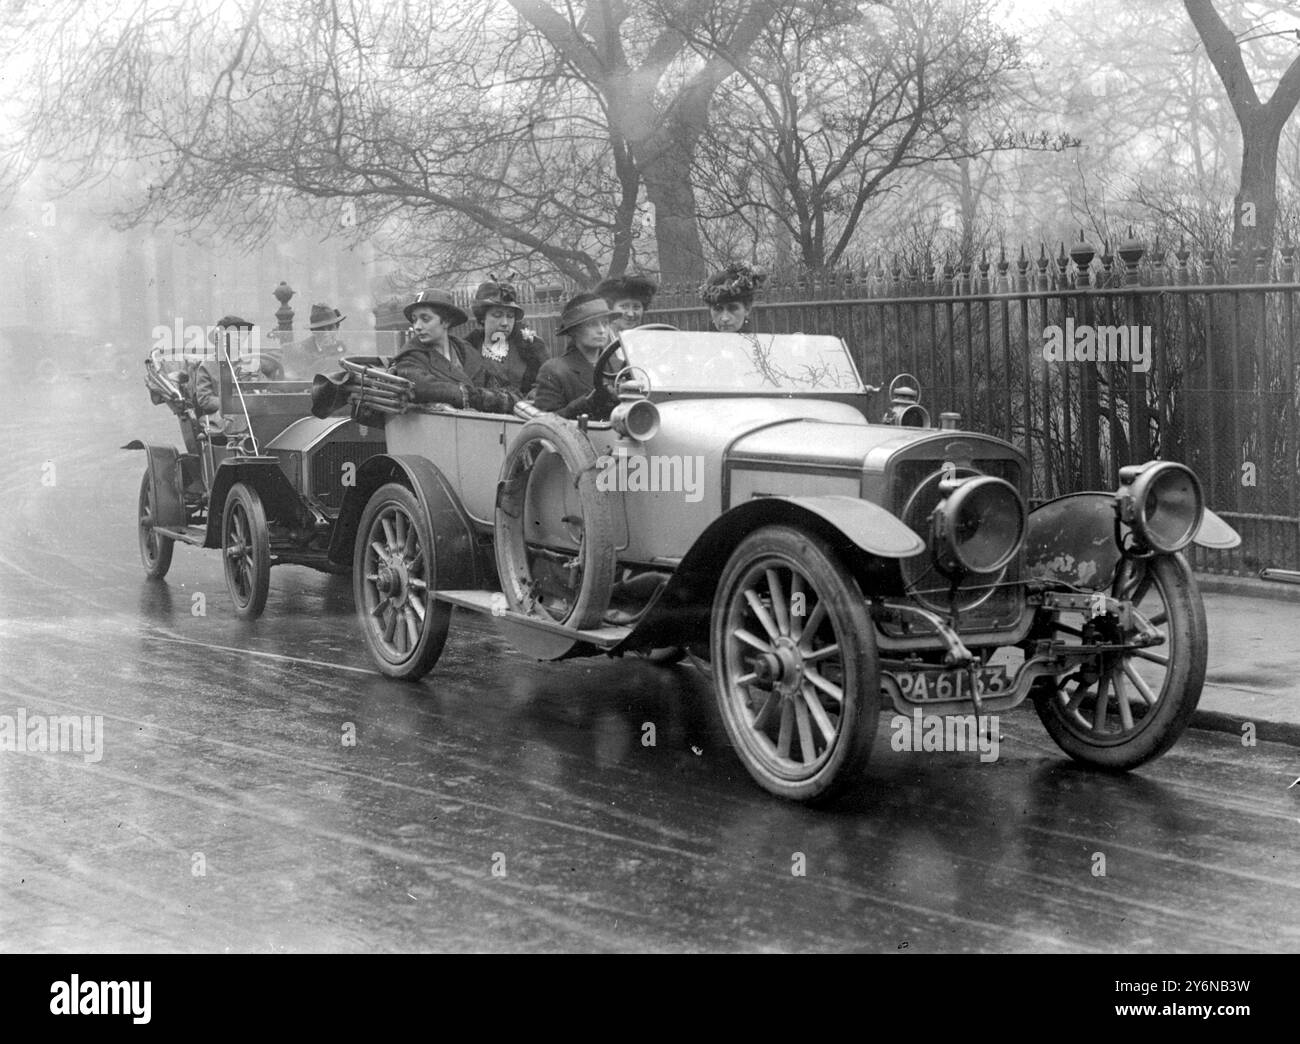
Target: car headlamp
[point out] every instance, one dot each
(905, 409)
(635, 419)
(1162, 502)
(977, 526)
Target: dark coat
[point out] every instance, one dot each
(207, 389)
(527, 354)
(310, 356)
(438, 379)
(564, 387)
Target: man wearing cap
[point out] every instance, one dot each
(565, 385)
(434, 361)
(321, 349)
(232, 337)
(510, 351)
(630, 296)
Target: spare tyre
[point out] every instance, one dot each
(554, 528)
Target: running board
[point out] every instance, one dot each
(185, 536)
(492, 603)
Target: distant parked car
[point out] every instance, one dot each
(55, 355)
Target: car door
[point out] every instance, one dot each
(481, 440)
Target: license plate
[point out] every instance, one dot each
(932, 685)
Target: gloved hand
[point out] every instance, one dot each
(597, 404)
(489, 400)
(601, 400)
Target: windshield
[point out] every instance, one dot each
(681, 360)
(321, 352)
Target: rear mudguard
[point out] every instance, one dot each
(1072, 540)
(168, 484)
(679, 614)
(461, 560)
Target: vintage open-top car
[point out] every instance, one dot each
(265, 484)
(741, 504)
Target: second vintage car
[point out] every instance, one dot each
(742, 504)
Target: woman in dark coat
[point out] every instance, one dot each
(503, 345)
(439, 364)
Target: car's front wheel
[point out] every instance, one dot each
(394, 580)
(246, 549)
(794, 664)
(1119, 709)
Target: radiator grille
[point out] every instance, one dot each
(327, 468)
(982, 606)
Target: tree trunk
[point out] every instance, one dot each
(1261, 123)
(666, 171)
(1255, 212)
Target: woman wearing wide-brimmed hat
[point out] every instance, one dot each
(730, 296)
(434, 360)
(629, 295)
(565, 385)
(503, 350)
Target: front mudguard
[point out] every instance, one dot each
(866, 534)
(1073, 540)
(280, 500)
(168, 482)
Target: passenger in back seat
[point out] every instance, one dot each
(435, 362)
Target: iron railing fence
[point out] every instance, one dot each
(1209, 378)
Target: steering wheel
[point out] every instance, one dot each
(612, 376)
(600, 375)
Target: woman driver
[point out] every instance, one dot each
(730, 296)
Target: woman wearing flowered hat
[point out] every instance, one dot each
(503, 346)
(630, 296)
(730, 296)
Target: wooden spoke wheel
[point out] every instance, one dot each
(794, 664)
(246, 550)
(155, 550)
(394, 580)
(1117, 710)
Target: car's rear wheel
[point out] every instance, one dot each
(794, 664)
(554, 531)
(394, 579)
(1117, 710)
(155, 549)
(246, 550)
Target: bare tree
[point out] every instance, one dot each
(482, 136)
(1261, 123)
(655, 68)
(838, 100)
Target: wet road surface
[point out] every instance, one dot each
(504, 804)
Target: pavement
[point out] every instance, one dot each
(1254, 659)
